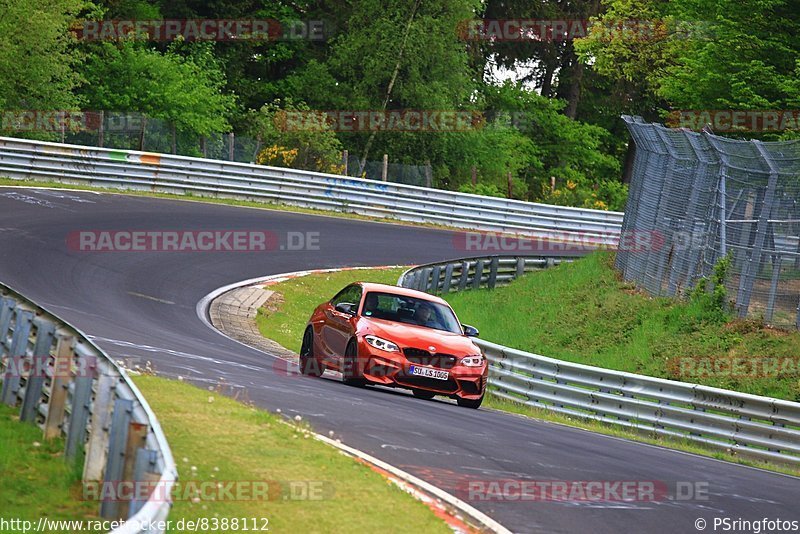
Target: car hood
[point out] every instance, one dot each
(406, 335)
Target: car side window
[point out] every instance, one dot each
(350, 294)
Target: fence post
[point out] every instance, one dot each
(144, 128)
(773, 288)
(45, 330)
(231, 143)
(101, 131)
(58, 389)
(385, 170)
(428, 174)
(118, 439)
(345, 161)
(754, 260)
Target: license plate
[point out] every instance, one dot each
(429, 373)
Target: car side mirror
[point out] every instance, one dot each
(470, 331)
(346, 307)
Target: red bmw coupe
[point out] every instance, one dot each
(392, 336)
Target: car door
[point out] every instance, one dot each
(339, 327)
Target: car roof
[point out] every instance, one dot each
(397, 290)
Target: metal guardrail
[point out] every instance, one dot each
(474, 273)
(69, 387)
(120, 169)
(747, 425)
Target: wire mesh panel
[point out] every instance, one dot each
(699, 197)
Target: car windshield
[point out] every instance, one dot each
(410, 310)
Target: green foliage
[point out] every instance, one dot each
(39, 66)
(182, 85)
(711, 294)
(316, 149)
(716, 54)
(489, 190)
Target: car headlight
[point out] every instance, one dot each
(475, 360)
(382, 344)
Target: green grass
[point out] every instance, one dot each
(35, 480)
(302, 295)
(582, 312)
(247, 444)
(285, 325)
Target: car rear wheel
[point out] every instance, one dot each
(470, 403)
(422, 394)
(350, 374)
(309, 366)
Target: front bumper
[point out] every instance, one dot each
(394, 369)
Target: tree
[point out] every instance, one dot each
(39, 66)
(185, 90)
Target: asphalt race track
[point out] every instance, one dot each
(142, 305)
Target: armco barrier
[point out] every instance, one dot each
(69, 387)
(473, 273)
(36, 160)
(747, 425)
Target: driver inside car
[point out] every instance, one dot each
(426, 316)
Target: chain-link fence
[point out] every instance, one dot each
(136, 131)
(419, 175)
(696, 198)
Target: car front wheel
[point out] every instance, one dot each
(309, 366)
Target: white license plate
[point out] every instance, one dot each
(430, 373)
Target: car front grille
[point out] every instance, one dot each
(423, 357)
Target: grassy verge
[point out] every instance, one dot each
(35, 481)
(214, 438)
(582, 312)
(301, 295)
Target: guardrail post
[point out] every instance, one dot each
(493, 272)
(19, 347)
(58, 389)
(424, 282)
(462, 282)
(476, 278)
(137, 440)
(7, 305)
(118, 438)
(436, 274)
(97, 447)
(41, 355)
(81, 400)
(144, 470)
(448, 278)
(520, 267)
